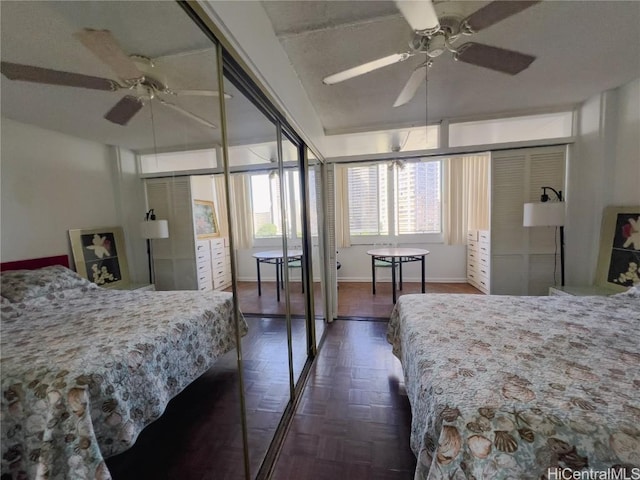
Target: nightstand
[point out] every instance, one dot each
(582, 291)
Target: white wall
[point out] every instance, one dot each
(52, 182)
(603, 170)
(445, 263)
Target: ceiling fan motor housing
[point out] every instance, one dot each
(436, 45)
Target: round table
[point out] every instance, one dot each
(396, 256)
(275, 257)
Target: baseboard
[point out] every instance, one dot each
(404, 279)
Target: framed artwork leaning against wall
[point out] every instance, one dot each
(100, 255)
(619, 258)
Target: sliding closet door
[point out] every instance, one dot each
(258, 224)
(140, 90)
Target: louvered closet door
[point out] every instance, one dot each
(330, 225)
(522, 259)
(174, 257)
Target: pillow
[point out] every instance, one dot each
(21, 285)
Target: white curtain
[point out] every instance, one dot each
(221, 204)
(242, 219)
(466, 197)
(343, 229)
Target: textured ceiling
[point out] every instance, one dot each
(582, 48)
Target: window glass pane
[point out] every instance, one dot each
(313, 202)
(418, 198)
(368, 203)
(265, 201)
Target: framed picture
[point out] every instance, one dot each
(99, 255)
(619, 259)
(204, 219)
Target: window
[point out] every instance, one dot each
(401, 198)
(418, 196)
(265, 205)
(368, 200)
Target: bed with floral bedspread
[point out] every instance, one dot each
(85, 369)
(505, 387)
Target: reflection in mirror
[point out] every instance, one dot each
(258, 234)
(314, 182)
(296, 294)
(139, 83)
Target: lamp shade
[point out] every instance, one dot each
(154, 229)
(545, 214)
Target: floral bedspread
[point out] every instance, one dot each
(505, 387)
(85, 370)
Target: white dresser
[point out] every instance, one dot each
(479, 259)
(220, 263)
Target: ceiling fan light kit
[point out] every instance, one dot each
(434, 36)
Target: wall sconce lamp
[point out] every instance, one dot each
(151, 229)
(547, 214)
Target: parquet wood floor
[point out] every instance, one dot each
(355, 299)
(353, 419)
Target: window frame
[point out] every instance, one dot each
(394, 237)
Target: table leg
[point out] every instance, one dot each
(373, 273)
(281, 274)
(258, 269)
(423, 274)
(278, 280)
(393, 278)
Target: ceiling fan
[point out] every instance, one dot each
(135, 73)
(434, 35)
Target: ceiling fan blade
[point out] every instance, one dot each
(495, 12)
(102, 44)
(124, 110)
(420, 15)
(28, 73)
(365, 68)
(187, 113)
(494, 58)
(416, 79)
(203, 93)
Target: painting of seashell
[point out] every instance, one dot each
(102, 472)
(558, 446)
(449, 447)
(582, 404)
(505, 442)
(450, 414)
(480, 446)
(487, 412)
(127, 433)
(517, 392)
(578, 372)
(54, 398)
(526, 434)
(35, 423)
(503, 423)
(626, 447)
(77, 401)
